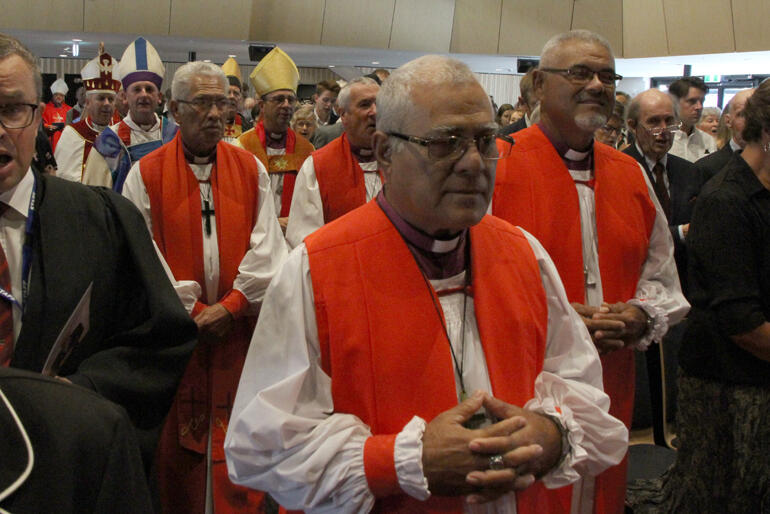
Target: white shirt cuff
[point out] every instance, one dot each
(407, 455)
(659, 323)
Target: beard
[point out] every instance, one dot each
(590, 121)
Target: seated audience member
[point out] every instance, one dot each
(303, 122)
(709, 120)
(66, 450)
(386, 395)
(724, 380)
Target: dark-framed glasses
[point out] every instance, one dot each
(609, 129)
(454, 147)
(204, 103)
(656, 131)
(280, 99)
(582, 75)
(17, 116)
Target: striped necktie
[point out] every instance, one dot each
(6, 308)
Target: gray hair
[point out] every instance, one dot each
(395, 102)
(183, 78)
(547, 55)
(710, 111)
(343, 99)
(11, 46)
(634, 106)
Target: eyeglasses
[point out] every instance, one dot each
(280, 99)
(450, 148)
(17, 116)
(582, 75)
(609, 129)
(204, 103)
(661, 130)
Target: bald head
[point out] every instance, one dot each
(651, 115)
(734, 118)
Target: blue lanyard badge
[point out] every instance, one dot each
(26, 253)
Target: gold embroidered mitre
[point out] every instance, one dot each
(275, 71)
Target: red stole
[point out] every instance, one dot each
(340, 178)
(208, 386)
(89, 135)
(297, 150)
(364, 343)
(124, 133)
(534, 190)
(235, 129)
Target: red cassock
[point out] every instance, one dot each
(207, 389)
(534, 190)
(55, 116)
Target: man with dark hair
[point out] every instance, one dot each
(527, 102)
(690, 142)
(58, 239)
(325, 95)
(712, 164)
(342, 175)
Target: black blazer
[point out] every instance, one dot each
(82, 449)
(684, 182)
(517, 125)
(710, 165)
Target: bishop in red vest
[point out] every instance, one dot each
(596, 214)
(342, 175)
(101, 84)
(429, 360)
(210, 211)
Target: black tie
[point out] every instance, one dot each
(660, 188)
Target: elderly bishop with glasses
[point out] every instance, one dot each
(210, 210)
(429, 360)
(596, 213)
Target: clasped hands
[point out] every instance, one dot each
(613, 326)
(456, 460)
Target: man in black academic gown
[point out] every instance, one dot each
(59, 237)
(66, 450)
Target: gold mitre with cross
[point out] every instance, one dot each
(275, 71)
(233, 72)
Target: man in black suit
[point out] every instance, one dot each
(66, 450)
(652, 119)
(59, 237)
(527, 102)
(710, 165)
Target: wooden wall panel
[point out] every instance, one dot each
(422, 25)
(199, 18)
(295, 21)
(42, 15)
(751, 22)
(604, 17)
(476, 27)
(139, 17)
(357, 24)
(644, 29)
(699, 26)
(526, 25)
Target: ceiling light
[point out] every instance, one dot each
(232, 55)
(77, 40)
(62, 55)
(206, 60)
(375, 62)
(331, 66)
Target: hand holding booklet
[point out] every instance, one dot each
(70, 335)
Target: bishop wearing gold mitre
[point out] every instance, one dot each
(235, 125)
(271, 140)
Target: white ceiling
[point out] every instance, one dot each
(175, 49)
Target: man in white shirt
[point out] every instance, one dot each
(209, 208)
(342, 175)
(690, 143)
(380, 393)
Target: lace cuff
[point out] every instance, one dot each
(658, 324)
(408, 460)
